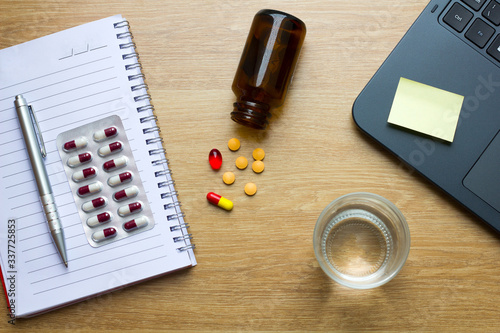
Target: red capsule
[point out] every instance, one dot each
(115, 164)
(120, 179)
(110, 131)
(85, 157)
(215, 159)
(88, 172)
(105, 133)
(90, 189)
(70, 145)
(103, 234)
(94, 204)
(127, 193)
(103, 217)
(111, 148)
(84, 174)
(130, 208)
(109, 231)
(136, 223)
(98, 219)
(79, 159)
(75, 144)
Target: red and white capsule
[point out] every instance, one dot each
(127, 193)
(112, 148)
(94, 204)
(101, 235)
(117, 163)
(78, 143)
(132, 208)
(122, 178)
(90, 189)
(137, 223)
(84, 174)
(105, 133)
(79, 159)
(99, 219)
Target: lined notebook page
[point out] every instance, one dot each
(72, 78)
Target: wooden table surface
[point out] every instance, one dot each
(256, 265)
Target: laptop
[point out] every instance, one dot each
(454, 45)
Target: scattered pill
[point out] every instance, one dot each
(112, 148)
(99, 236)
(89, 189)
(84, 174)
(258, 166)
(215, 159)
(115, 164)
(219, 201)
(228, 178)
(127, 193)
(134, 207)
(99, 219)
(241, 162)
(233, 144)
(136, 223)
(258, 154)
(75, 144)
(123, 177)
(250, 188)
(79, 159)
(94, 204)
(105, 133)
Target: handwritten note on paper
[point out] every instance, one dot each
(426, 109)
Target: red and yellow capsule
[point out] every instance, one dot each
(219, 201)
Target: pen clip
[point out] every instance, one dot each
(38, 133)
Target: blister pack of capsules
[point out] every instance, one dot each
(105, 181)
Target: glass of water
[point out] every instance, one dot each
(361, 240)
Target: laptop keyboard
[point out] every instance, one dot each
(478, 21)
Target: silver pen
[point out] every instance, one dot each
(36, 152)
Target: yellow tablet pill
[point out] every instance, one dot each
(241, 163)
(228, 178)
(233, 144)
(258, 166)
(259, 154)
(250, 189)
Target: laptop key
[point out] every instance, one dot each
(492, 12)
(479, 33)
(457, 17)
(494, 49)
(475, 4)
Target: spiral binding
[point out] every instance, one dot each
(154, 140)
(162, 173)
(179, 226)
(169, 194)
(178, 216)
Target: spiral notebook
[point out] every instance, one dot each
(72, 78)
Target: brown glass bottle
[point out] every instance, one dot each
(266, 66)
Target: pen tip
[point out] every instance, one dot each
(66, 264)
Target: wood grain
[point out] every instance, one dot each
(256, 266)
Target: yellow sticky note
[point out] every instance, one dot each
(426, 109)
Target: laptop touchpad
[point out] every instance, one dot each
(484, 177)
